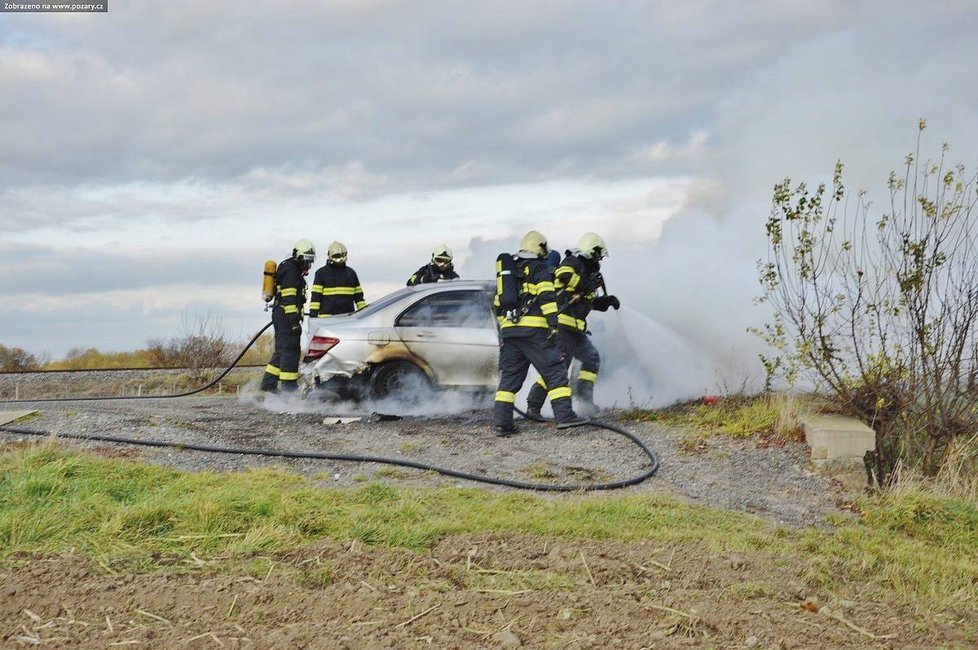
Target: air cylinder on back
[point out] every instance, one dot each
(268, 281)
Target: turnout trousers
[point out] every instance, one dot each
(516, 354)
(284, 364)
(572, 345)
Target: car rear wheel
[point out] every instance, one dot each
(401, 381)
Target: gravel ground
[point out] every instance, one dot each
(772, 482)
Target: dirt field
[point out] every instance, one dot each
(468, 592)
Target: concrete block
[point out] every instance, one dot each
(838, 439)
(6, 417)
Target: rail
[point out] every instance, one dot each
(50, 370)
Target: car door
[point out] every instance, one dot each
(454, 332)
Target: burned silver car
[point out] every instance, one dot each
(440, 335)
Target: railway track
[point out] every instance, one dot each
(117, 381)
(77, 370)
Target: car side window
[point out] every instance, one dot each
(448, 309)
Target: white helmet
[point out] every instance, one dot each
(337, 253)
(442, 255)
(304, 252)
(534, 242)
(592, 246)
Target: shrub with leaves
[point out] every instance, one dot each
(878, 306)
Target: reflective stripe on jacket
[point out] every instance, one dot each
(536, 296)
(290, 290)
(576, 288)
(335, 290)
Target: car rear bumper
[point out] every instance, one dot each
(329, 366)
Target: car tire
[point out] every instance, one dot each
(401, 381)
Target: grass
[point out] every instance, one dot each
(392, 473)
(539, 472)
(411, 448)
(141, 518)
(957, 478)
(772, 415)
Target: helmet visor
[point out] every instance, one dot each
(442, 260)
(338, 258)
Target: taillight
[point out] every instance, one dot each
(319, 346)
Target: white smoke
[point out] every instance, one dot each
(420, 401)
(686, 305)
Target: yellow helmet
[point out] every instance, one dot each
(304, 252)
(592, 246)
(442, 255)
(534, 242)
(337, 253)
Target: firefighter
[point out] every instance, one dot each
(526, 334)
(552, 260)
(289, 300)
(336, 288)
(440, 268)
(577, 281)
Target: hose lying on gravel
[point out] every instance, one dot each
(355, 458)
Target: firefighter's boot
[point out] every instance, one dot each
(535, 400)
(585, 399)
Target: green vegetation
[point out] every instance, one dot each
(539, 472)
(770, 414)
(142, 518)
(81, 359)
(186, 352)
(392, 473)
(875, 302)
(52, 501)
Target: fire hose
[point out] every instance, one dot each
(648, 472)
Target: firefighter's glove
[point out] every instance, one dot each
(602, 303)
(295, 326)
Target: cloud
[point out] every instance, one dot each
(168, 91)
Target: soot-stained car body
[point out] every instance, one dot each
(440, 335)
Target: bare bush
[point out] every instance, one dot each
(881, 311)
(17, 359)
(202, 347)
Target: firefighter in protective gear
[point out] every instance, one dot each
(552, 260)
(528, 339)
(288, 302)
(440, 268)
(336, 288)
(577, 281)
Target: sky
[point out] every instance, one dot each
(154, 156)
